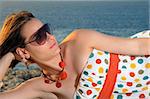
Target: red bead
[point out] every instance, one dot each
(58, 84)
(63, 75)
(62, 64)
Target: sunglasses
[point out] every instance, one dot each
(40, 36)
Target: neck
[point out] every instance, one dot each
(52, 66)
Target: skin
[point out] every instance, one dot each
(75, 50)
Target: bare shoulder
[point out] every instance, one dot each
(76, 33)
(82, 35)
(79, 36)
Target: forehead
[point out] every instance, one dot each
(30, 27)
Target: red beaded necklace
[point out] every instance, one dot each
(61, 76)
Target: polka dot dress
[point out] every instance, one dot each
(133, 79)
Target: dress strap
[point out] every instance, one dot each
(110, 77)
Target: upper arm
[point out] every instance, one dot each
(20, 92)
(30, 89)
(113, 44)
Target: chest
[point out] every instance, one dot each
(80, 59)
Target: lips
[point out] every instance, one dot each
(53, 45)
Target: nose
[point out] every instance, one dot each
(50, 38)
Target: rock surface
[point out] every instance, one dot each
(19, 74)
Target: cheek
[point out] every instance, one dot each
(42, 53)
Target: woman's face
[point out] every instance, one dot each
(47, 49)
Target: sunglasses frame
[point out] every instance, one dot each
(42, 31)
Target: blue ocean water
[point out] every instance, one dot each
(119, 18)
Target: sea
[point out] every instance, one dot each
(117, 18)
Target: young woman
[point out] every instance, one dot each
(83, 66)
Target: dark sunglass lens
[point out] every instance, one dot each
(41, 38)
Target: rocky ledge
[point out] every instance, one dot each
(19, 74)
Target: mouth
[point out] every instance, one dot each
(53, 45)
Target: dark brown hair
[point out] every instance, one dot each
(10, 36)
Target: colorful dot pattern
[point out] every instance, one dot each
(133, 79)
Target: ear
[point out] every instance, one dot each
(23, 53)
